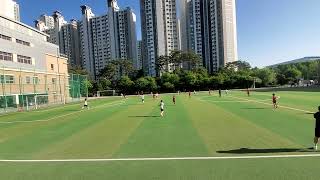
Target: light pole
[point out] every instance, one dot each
(58, 55)
(3, 79)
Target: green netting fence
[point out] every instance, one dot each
(23, 90)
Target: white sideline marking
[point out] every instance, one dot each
(286, 107)
(163, 159)
(64, 115)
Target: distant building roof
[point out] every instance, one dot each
(301, 60)
(24, 25)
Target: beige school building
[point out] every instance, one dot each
(31, 69)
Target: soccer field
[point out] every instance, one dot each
(200, 138)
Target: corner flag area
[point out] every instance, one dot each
(199, 138)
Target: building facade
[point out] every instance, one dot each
(62, 33)
(30, 67)
(107, 37)
(210, 31)
(159, 32)
(139, 55)
(10, 9)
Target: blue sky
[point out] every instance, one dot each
(269, 31)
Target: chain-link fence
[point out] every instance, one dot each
(23, 90)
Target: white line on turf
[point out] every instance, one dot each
(64, 115)
(286, 107)
(162, 159)
(229, 101)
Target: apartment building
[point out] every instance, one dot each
(159, 32)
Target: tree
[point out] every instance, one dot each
(109, 72)
(218, 80)
(152, 83)
(104, 84)
(190, 79)
(170, 77)
(192, 59)
(86, 87)
(162, 62)
(266, 75)
(168, 86)
(175, 59)
(125, 84)
(281, 79)
(142, 84)
(77, 70)
(292, 74)
(125, 66)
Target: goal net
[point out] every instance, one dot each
(106, 93)
(41, 101)
(37, 101)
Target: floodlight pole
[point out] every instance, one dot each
(58, 55)
(87, 86)
(3, 89)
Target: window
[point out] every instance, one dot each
(36, 80)
(24, 59)
(28, 80)
(52, 67)
(22, 42)
(54, 80)
(7, 79)
(6, 56)
(5, 37)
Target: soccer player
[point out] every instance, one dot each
(209, 92)
(162, 108)
(317, 129)
(142, 98)
(219, 92)
(189, 94)
(274, 101)
(248, 92)
(85, 104)
(174, 100)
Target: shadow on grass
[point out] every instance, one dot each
(143, 116)
(264, 151)
(309, 113)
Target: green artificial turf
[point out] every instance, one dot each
(201, 126)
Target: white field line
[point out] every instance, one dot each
(159, 159)
(229, 101)
(55, 107)
(64, 115)
(286, 107)
(79, 103)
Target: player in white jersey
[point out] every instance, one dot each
(85, 104)
(162, 108)
(142, 98)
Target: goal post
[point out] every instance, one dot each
(41, 101)
(105, 93)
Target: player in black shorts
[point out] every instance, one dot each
(317, 129)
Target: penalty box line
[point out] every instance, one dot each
(65, 115)
(162, 159)
(286, 107)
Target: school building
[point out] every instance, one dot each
(32, 72)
